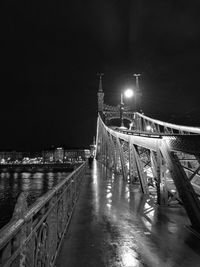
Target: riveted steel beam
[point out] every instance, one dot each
(122, 159)
(162, 191)
(141, 174)
(132, 166)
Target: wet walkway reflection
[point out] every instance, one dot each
(115, 225)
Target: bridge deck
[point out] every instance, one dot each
(114, 225)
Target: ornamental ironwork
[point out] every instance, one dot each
(34, 235)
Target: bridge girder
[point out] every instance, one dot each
(156, 161)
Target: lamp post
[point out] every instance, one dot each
(137, 96)
(121, 111)
(128, 93)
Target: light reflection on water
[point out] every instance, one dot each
(34, 184)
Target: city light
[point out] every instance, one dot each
(51, 156)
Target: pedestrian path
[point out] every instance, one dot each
(114, 225)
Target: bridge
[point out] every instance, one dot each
(138, 206)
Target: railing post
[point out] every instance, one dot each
(19, 212)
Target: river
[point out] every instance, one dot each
(35, 184)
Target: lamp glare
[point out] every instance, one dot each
(148, 128)
(128, 93)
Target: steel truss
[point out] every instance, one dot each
(164, 160)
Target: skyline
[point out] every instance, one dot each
(51, 53)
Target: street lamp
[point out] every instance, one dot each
(128, 93)
(137, 92)
(148, 128)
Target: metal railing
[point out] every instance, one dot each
(33, 236)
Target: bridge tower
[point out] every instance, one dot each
(138, 94)
(100, 95)
(108, 112)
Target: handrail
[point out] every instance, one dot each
(191, 129)
(33, 236)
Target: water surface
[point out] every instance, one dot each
(35, 184)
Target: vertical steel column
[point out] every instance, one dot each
(118, 159)
(105, 148)
(106, 152)
(162, 192)
(102, 147)
(122, 160)
(109, 152)
(153, 164)
(131, 163)
(97, 140)
(101, 144)
(157, 126)
(156, 174)
(139, 124)
(141, 174)
(154, 167)
(113, 152)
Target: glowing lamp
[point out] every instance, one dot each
(148, 128)
(128, 93)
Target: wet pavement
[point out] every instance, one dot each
(115, 225)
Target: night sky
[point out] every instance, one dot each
(51, 52)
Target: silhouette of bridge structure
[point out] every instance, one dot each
(160, 159)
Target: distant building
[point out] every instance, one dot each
(48, 156)
(87, 153)
(54, 155)
(76, 155)
(10, 156)
(59, 155)
(65, 155)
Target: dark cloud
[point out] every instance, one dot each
(52, 50)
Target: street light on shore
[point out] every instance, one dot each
(128, 93)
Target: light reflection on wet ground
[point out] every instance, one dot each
(115, 225)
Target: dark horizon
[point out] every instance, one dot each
(52, 51)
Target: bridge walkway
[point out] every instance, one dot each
(114, 225)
